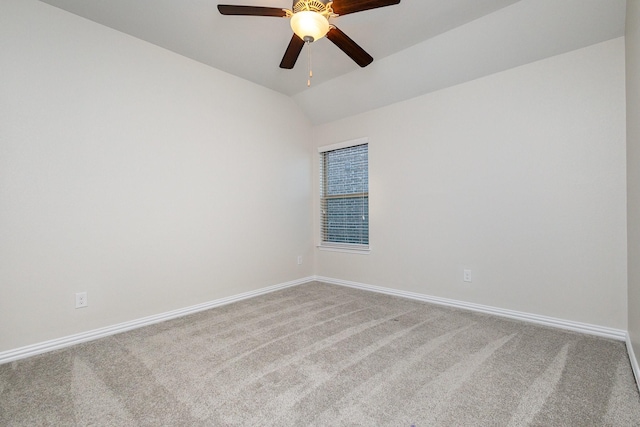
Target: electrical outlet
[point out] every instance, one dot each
(466, 275)
(299, 259)
(81, 299)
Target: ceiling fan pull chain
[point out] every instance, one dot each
(309, 63)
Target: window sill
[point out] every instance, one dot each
(350, 249)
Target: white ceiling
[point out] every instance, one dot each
(418, 45)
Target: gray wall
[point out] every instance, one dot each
(150, 181)
(633, 170)
(518, 176)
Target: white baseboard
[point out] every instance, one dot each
(633, 360)
(585, 328)
(55, 344)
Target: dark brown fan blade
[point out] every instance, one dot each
(291, 54)
(342, 7)
(229, 9)
(349, 47)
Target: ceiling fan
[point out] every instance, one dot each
(310, 22)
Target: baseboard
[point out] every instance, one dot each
(585, 328)
(634, 361)
(43, 347)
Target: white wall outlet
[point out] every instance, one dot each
(466, 275)
(81, 299)
(299, 259)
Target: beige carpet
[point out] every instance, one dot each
(322, 355)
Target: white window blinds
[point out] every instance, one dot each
(344, 195)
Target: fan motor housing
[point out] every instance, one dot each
(312, 5)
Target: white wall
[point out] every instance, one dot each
(632, 39)
(146, 179)
(518, 176)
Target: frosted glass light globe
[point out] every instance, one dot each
(309, 24)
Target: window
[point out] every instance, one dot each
(344, 195)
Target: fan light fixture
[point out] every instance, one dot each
(309, 25)
(310, 22)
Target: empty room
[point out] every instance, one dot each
(313, 213)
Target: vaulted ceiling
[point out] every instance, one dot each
(418, 45)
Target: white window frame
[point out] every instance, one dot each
(362, 249)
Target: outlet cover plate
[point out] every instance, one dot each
(81, 299)
(466, 275)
